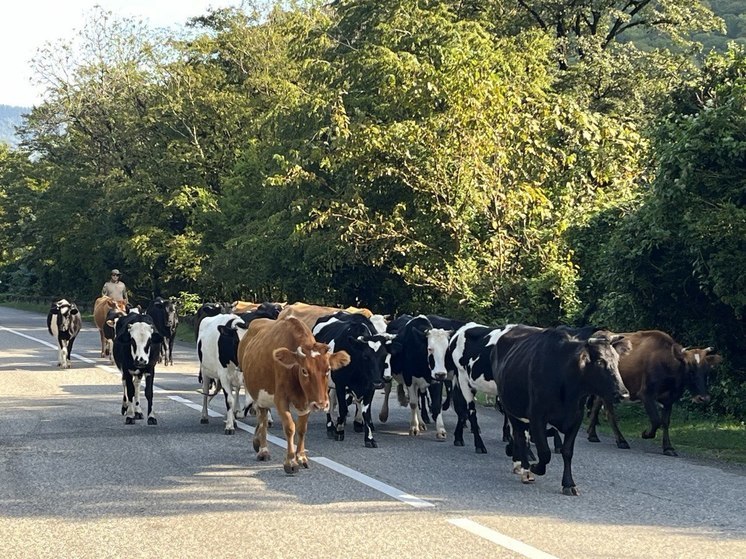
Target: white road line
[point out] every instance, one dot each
(464, 523)
(500, 539)
(397, 494)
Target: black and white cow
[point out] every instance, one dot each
(264, 310)
(217, 349)
(545, 378)
(418, 362)
(64, 324)
(369, 357)
(166, 320)
(471, 349)
(137, 346)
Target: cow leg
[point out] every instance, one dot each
(288, 426)
(651, 407)
(519, 445)
(358, 424)
(415, 422)
(69, 351)
(621, 442)
(230, 403)
(593, 420)
(125, 401)
(171, 341)
(459, 406)
(205, 417)
(300, 452)
(436, 403)
(668, 448)
(368, 439)
(339, 432)
(424, 407)
(149, 396)
(383, 415)
(129, 397)
(538, 432)
(260, 436)
(568, 446)
(479, 447)
(61, 353)
(138, 386)
(103, 342)
(333, 414)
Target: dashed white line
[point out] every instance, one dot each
(500, 539)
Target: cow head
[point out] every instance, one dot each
(312, 363)
(64, 311)
(230, 336)
(140, 336)
(371, 352)
(699, 363)
(599, 366)
(437, 340)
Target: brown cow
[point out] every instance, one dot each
(657, 371)
(283, 366)
(101, 308)
(309, 314)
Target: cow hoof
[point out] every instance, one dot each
(458, 443)
(539, 469)
(479, 449)
(371, 444)
(263, 455)
(526, 477)
(670, 452)
(290, 468)
(647, 435)
(622, 444)
(383, 417)
(509, 449)
(570, 491)
(152, 421)
(269, 423)
(230, 431)
(139, 415)
(204, 420)
(339, 436)
(357, 427)
(594, 439)
(441, 436)
(414, 432)
(124, 410)
(129, 420)
(330, 433)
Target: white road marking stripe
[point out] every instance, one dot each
(464, 523)
(397, 494)
(500, 539)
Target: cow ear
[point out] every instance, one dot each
(339, 359)
(224, 330)
(621, 345)
(285, 357)
(74, 310)
(584, 358)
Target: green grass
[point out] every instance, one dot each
(693, 433)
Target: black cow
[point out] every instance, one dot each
(368, 350)
(64, 324)
(545, 378)
(166, 320)
(470, 350)
(137, 345)
(264, 310)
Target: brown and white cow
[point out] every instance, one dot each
(656, 371)
(285, 367)
(101, 308)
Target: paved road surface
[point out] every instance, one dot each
(76, 482)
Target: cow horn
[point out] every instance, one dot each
(597, 339)
(299, 351)
(709, 350)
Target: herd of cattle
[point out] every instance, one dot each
(312, 358)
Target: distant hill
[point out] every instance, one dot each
(10, 117)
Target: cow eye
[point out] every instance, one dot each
(305, 372)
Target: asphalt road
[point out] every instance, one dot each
(76, 482)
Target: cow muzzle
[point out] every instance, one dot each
(315, 406)
(621, 396)
(701, 399)
(141, 363)
(440, 376)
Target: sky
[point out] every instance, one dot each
(25, 25)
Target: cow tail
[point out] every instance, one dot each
(449, 388)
